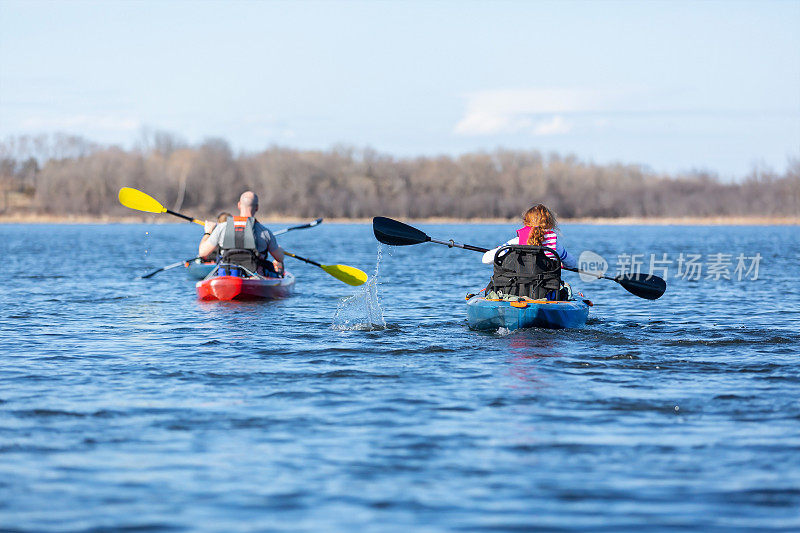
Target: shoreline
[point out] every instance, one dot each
(272, 219)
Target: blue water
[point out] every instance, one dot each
(126, 404)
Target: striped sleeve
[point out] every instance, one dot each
(550, 241)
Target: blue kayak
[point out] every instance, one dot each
(198, 269)
(491, 314)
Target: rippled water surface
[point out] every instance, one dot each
(126, 404)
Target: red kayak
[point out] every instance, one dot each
(227, 288)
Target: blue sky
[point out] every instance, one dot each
(670, 85)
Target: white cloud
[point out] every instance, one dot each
(554, 126)
(485, 122)
(508, 111)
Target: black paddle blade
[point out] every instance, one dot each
(643, 285)
(309, 225)
(394, 233)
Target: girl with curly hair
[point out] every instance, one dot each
(539, 229)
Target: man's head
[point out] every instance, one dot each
(248, 204)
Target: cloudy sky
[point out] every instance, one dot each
(670, 85)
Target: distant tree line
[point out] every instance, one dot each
(63, 174)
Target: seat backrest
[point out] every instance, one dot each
(244, 258)
(522, 270)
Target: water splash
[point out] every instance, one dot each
(362, 311)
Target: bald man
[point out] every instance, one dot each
(263, 239)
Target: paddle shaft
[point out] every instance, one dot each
(279, 232)
(135, 199)
(309, 261)
(176, 265)
(180, 215)
(302, 226)
(452, 244)
(346, 274)
(168, 267)
(598, 276)
(396, 233)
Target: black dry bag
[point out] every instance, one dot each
(526, 271)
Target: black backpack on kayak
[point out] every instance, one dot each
(521, 270)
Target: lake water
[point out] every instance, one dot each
(126, 404)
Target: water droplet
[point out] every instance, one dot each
(362, 311)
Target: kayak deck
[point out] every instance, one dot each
(492, 314)
(227, 288)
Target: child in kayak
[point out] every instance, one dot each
(213, 256)
(539, 230)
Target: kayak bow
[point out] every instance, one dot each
(226, 288)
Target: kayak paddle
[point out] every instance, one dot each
(395, 233)
(140, 201)
(143, 202)
(279, 232)
(644, 286)
(347, 274)
(168, 267)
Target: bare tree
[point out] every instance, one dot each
(65, 174)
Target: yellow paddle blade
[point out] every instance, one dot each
(350, 275)
(140, 201)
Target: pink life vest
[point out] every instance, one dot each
(550, 238)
